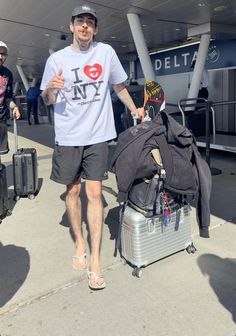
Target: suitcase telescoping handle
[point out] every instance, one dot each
(15, 135)
(136, 117)
(12, 106)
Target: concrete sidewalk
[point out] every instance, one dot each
(40, 294)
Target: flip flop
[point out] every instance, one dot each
(80, 258)
(93, 281)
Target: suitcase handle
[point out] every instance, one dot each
(135, 117)
(15, 135)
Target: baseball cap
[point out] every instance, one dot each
(2, 44)
(84, 9)
(154, 98)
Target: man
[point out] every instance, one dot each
(203, 91)
(32, 96)
(118, 110)
(76, 80)
(6, 102)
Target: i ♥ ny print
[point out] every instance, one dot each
(93, 71)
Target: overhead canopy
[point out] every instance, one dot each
(32, 29)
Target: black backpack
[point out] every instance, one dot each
(149, 196)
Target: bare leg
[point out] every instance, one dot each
(95, 222)
(73, 207)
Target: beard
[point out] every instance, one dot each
(83, 41)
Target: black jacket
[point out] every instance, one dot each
(180, 157)
(6, 89)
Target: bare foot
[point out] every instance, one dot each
(79, 262)
(96, 280)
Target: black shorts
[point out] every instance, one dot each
(4, 149)
(71, 163)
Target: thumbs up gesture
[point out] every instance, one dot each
(55, 84)
(57, 81)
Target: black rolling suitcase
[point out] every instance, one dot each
(25, 170)
(4, 199)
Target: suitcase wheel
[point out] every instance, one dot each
(31, 196)
(16, 198)
(9, 212)
(191, 248)
(123, 261)
(137, 272)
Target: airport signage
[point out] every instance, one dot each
(221, 54)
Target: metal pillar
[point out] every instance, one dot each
(23, 77)
(16, 87)
(34, 81)
(132, 74)
(199, 66)
(141, 46)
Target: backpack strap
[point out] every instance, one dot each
(118, 238)
(157, 157)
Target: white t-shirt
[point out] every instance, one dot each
(83, 110)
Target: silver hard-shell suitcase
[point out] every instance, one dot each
(146, 240)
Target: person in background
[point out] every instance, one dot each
(118, 110)
(32, 97)
(76, 80)
(6, 99)
(203, 92)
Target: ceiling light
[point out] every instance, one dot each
(144, 25)
(46, 34)
(177, 29)
(220, 8)
(124, 46)
(201, 4)
(113, 37)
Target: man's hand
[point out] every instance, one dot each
(16, 113)
(138, 113)
(50, 92)
(56, 82)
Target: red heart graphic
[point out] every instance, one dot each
(93, 71)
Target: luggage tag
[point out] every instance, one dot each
(165, 208)
(150, 226)
(177, 219)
